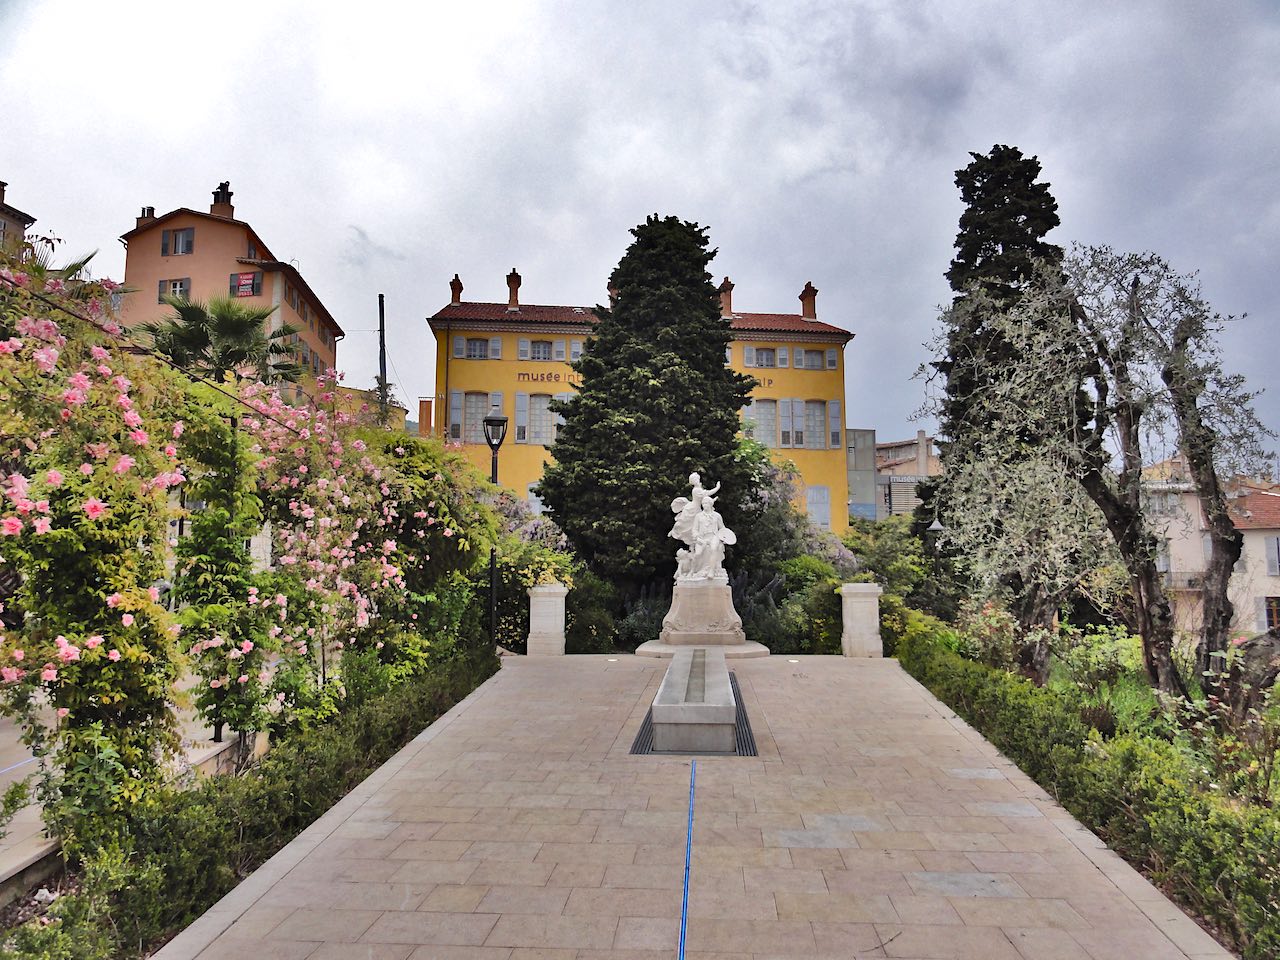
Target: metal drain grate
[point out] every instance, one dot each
(742, 735)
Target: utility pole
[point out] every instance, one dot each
(384, 391)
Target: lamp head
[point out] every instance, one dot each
(495, 429)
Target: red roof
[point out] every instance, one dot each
(536, 313)
(1257, 511)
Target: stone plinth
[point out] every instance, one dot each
(702, 615)
(694, 711)
(860, 607)
(546, 620)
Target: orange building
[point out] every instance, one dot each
(186, 253)
(13, 222)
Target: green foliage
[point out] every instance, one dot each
(521, 564)
(656, 403)
(590, 626)
(224, 337)
(641, 619)
(1145, 796)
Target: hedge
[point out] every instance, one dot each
(1218, 857)
(190, 847)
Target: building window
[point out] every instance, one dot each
(1271, 609)
(177, 242)
(809, 359)
(815, 424)
(252, 251)
(542, 428)
(540, 350)
(764, 413)
(475, 407)
(245, 284)
(817, 501)
(180, 288)
(477, 349)
(575, 349)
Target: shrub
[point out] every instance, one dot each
(1143, 795)
(590, 626)
(642, 616)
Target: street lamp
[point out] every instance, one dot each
(495, 431)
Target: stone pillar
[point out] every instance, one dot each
(860, 603)
(546, 620)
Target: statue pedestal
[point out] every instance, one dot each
(702, 615)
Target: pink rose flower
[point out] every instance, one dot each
(215, 684)
(243, 678)
(42, 524)
(178, 427)
(124, 464)
(49, 673)
(19, 654)
(53, 478)
(127, 619)
(93, 642)
(62, 713)
(94, 508)
(113, 655)
(10, 674)
(154, 594)
(113, 601)
(10, 526)
(86, 468)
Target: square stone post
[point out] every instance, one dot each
(546, 620)
(860, 606)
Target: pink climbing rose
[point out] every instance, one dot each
(94, 508)
(113, 655)
(11, 526)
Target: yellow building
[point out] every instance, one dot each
(516, 357)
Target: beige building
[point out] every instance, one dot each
(900, 466)
(1184, 548)
(13, 222)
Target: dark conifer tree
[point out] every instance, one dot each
(1007, 214)
(657, 401)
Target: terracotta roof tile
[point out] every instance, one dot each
(538, 313)
(1257, 511)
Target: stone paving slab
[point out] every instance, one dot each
(874, 823)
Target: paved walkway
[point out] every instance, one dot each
(874, 823)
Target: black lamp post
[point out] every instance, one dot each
(495, 431)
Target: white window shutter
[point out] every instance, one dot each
(1262, 615)
(558, 351)
(797, 423)
(522, 418)
(801, 358)
(455, 414)
(749, 356)
(522, 349)
(563, 398)
(784, 419)
(495, 400)
(459, 347)
(575, 349)
(782, 356)
(833, 422)
(1273, 556)
(495, 348)
(833, 361)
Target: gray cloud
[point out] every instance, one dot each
(818, 140)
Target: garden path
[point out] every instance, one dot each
(874, 823)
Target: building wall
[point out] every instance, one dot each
(521, 463)
(218, 245)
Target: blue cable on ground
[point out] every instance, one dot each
(688, 850)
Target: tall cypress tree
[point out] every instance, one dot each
(656, 402)
(1008, 211)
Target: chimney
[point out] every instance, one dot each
(455, 289)
(922, 453)
(148, 214)
(221, 206)
(809, 301)
(513, 291)
(726, 298)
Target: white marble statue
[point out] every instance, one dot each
(701, 527)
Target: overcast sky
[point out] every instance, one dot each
(382, 147)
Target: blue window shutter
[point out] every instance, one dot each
(782, 356)
(455, 414)
(558, 350)
(522, 349)
(522, 418)
(164, 243)
(748, 356)
(833, 422)
(797, 423)
(459, 347)
(800, 358)
(833, 359)
(191, 239)
(495, 400)
(495, 348)
(1273, 556)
